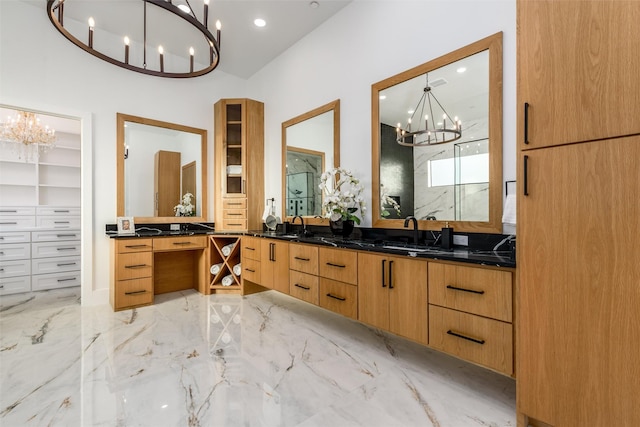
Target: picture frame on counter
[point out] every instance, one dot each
(126, 226)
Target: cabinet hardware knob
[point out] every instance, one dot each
(135, 292)
(464, 337)
(306, 288)
(335, 265)
(336, 297)
(455, 288)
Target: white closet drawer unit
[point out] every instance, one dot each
(57, 211)
(15, 251)
(54, 236)
(55, 249)
(54, 265)
(15, 285)
(15, 268)
(55, 280)
(17, 211)
(8, 223)
(58, 221)
(14, 237)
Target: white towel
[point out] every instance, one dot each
(237, 269)
(215, 268)
(509, 210)
(226, 250)
(227, 280)
(234, 169)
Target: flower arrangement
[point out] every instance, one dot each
(386, 200)
(185, 208)
(342, 195)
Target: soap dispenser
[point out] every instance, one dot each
(446, 237)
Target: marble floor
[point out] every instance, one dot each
(193, 360)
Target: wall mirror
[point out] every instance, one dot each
(157, 164)
(310, 146)
(458, 182)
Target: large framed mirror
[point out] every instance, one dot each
(310, 146)
(158, 163)
(457, 182)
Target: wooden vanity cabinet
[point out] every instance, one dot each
(303, 272)
(274, 265)
(392, 295)
(133, 273)
(338, 271)
(251, 256)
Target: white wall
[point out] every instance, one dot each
(40, 69)
(367, 42)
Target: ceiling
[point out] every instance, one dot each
(245, 48)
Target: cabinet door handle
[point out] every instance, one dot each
(384, 284)
(136, 266)
(8, 223)
(336, 297)
(244, 184)
(61, 222)
(66, 249)
(8, 211)
(525, 171)
(526, 123)
(64, 264)
(301, 259)
(249, 249)
(61, 211)
(306, 288)
(235, 214)
(390, 274)
(464, 337)
(65, 235)
(135, 292)
(182, 243)
(135, 246)
(455, 288)
(335, 265)
(67, 280)
(234, 204)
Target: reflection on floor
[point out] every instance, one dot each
(192, 360)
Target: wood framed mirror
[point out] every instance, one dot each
(310, 146)
(459, 182)
(157, 164)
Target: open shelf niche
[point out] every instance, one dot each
(227, 263)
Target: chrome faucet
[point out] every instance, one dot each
(415, 227)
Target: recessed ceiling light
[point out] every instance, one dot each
(461, 70)
(259, 22)
(314, 5)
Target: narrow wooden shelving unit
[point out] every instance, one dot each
(228, 262)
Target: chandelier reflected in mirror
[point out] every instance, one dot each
(429, 131)
(120, 33)
(25, 136)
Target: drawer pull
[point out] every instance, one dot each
(61, 222)
(135, 246)
(464, 337)
(68, 280)
(249, 249)
(65, 235)
(455, 288)
(136, 292)
(336, 297)
(301, 259)
(61, 210)
(1, 252)
(136, 266)
(1, 286)
(249, 270)
(336, 265)
(234, 204)
(8, 223)
(1, 269)
(8, 211)
(234, 214)
(306, 288)
(1, 237)
(65, 264)
(231, 223)
(182, 243)
(71, 248)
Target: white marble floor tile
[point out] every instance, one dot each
(193, 360)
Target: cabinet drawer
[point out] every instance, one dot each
(250, 248)
(251, 270)
(54, 265)
(52, 249)
(471, 289)
(133, 293)
(231, 203)
(15, 251)
(57, 211)
(15, 285)
(53, 236)
(232, 214)
(234, 224)
(55, 280)
(339, 297)
(13, 223)
(337, 264)
(303, 258)
(14, 237)
(17, 211)
(134, 245)
(134, 265)
(303, 286)
(179, 243)
(58, 221)
(484, 341)
(15, 268)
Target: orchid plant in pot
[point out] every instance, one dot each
(342, 203)
(185, 208)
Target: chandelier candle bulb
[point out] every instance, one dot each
(61, 12)
(191, 53)
(92, 24)
(126, 49)
(218, 28)
(206, 13)
(161, 52)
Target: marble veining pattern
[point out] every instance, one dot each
(261, 360)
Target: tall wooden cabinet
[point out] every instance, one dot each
(239, 151)
(578, 213)
(166, 182)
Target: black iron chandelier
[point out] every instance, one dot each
(56, 10)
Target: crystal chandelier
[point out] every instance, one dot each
(433, 132)
(24, 135)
